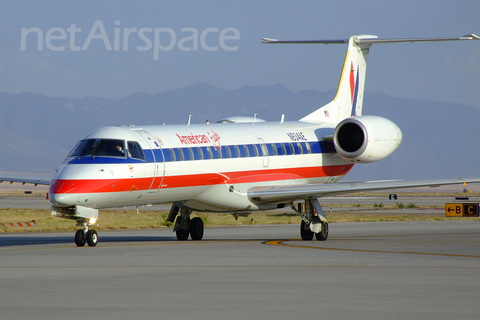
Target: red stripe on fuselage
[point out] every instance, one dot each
(66, 186)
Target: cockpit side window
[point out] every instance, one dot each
(83, 148)
(110, 148)
(135, 151)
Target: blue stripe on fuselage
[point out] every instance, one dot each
(316, 148)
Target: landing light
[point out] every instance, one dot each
(92, 220)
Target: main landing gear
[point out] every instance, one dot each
(184, 226)
(307, 234)
(313, 221)
(85, 235)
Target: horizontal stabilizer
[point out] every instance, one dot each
(371, 39)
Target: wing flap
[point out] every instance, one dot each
(278, 194)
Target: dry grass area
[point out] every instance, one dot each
(129, 219)
(415, 194)
(17, 190)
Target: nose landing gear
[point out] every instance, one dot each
(85, 217)
(85, 235)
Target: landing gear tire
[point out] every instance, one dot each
(92, 238)
(196, 228)
(80, 238)
(182, 235)
(305, 232)
(322, 235)
(181, 229)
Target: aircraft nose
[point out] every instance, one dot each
(58, 196)
(62, 200)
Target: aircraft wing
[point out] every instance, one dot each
(31, 180)
(277, 194)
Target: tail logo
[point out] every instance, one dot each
(353, 89)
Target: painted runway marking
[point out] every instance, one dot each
(282, 244)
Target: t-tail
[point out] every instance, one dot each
(348, 101)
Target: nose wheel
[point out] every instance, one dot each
(86, 235)
(90, 238)
(80, 238)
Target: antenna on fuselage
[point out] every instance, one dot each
(283, 118)
(254, 118)
(189, 118)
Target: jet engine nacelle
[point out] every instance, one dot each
(365, 139)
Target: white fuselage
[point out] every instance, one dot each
(206, 167)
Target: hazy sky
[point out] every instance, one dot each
(83, 51)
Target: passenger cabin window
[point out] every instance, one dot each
(292, 149)
(247, 152)
(180, 153)
(274, 148)
(200, 153)
(300, 148)
(284, 150)
(172, 155)
(264, 149)
(237, 151)
(255, 150)
(190, 154)
(229, 152)
(135, 151)
(210, 153)
(309, 149)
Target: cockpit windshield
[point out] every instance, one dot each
(99, 147)
(83, 148)
(110, 148)
(135, 151)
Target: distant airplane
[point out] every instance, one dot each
(237, 165)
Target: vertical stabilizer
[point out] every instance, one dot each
(349, 98)
(348, 101)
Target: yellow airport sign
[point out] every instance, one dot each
(461, 209)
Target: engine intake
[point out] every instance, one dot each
(366, 139)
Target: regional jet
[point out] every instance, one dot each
(238, 165)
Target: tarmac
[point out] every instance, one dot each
(384, 270)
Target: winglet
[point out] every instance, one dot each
(267, 40)
(471, 37)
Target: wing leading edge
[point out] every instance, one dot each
(31, 180)
(278, 194)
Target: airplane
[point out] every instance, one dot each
(238, 165)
